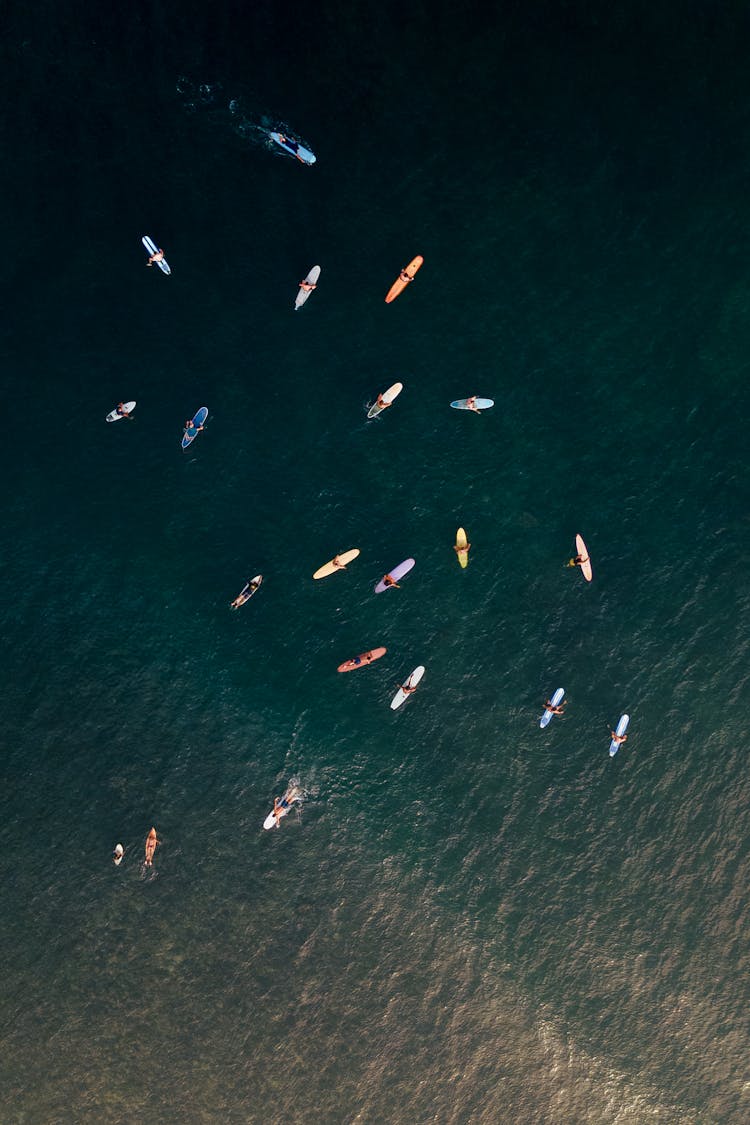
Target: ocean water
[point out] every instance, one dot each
(470, 920)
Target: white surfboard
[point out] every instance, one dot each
(311, 279)
(556, 699)
(412, 682)
(154, 249)
(293, 796)
(621, 727)
(113, 415)
(387, 398)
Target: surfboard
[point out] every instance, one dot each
(556, 699)
(387, 397)
(117, 855)
(311, 279)
(480, 403)
(397, 572)
(582, 550)
(462, 548)
(198, 419)
(362, 660)
(621, 727)
(292, 797)
(154, 249)
(247, 592)
(399, 284)
(113, 416)
(300, 151)
(412, 682)
(330, 568)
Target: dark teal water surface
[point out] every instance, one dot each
(472, 920)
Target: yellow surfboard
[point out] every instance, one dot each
(338, 562)
(462, 547)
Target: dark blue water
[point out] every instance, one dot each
(471, 920)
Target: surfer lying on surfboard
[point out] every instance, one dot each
(555, 710)
(307, 286)
(151, 842)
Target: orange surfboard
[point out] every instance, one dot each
(399, 284)
(362, 660)
(151, 842)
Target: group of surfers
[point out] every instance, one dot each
(151, 844)
(559, 709)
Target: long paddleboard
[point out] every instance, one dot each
(412, 682)
(311, 279)
(339, 562)
(397, 572)
(400, 283)
(247, 592)
(556, 700)
(294, 147)
(362, 660)
(192, 431)
(154, 249)
(292, 797)
(621, 727)
(386, 399)
(479, 404)
(115, 416)
(462, 548)
(586, 567)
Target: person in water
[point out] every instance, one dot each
(618, 739)
(579, 560)
(389, 581)
(555, 710)
(157, 257)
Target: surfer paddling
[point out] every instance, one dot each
(294, 146)
(151, 843)
(553, 709)
(157, 257)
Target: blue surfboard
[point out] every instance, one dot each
(294, 148)
(191, 431)
(555, 701)
(622, 726)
